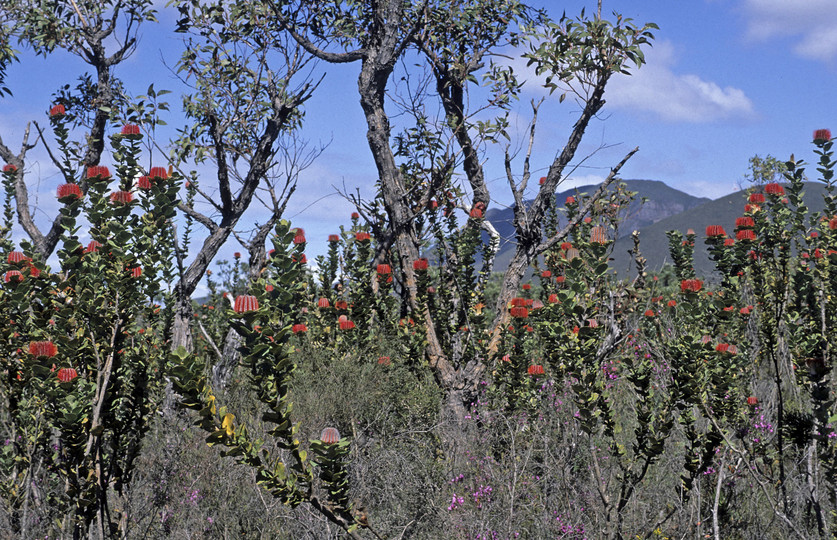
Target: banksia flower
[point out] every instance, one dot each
(9, 168)
(346, 324)
(746, 235)
(420, 265)
(66, 375)
(330, 435)
(715, 230)
(691, 285)
(526, 286)
(16, 257)
(542, 181)
(535, 370)
(553, 298)
(299, 328)
(774, 189)
(598, 235)
(299, 237)
(136, 271)
(158, 173)
(333, 238)
(341, 304)
(121, 197)
(744, 222)
(57, 111)
(130, 131)
(384, 269)
(752, 401)
(144, 182)
(570, 200)
(649, 313)
(92, 247)
(323, 302)
(355, 215)
(822, 135)
(244, 303)
(13, 276)
(519, 312)
(43, 349)
(566, 246)
(68, 192)
(98, 171)
(756, 198)
(729, 242)
(363, 236)
(832, 223)
(384, 360)
(546, 274)
(476, 213)
(722, 347)
(560, 279)
(571, 254)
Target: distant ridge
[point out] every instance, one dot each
(723, 211)
(663, 201)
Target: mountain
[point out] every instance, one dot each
(661, 202)
(723, 211)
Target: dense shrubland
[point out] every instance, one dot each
(400, 387)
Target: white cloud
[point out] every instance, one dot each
(810, 22)
(657, 89)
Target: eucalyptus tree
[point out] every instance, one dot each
(456, 39)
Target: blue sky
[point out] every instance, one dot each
(725, 79)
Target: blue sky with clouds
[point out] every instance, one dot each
(725, 79)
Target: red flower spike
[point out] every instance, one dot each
(330, 435)
(571, 254)
(752, 401)
(121, 197)
(130, 130)
(722, 347)
(13, 276)
(537, 304)
(672, 303)
(299, 328)
(362, 236)
(237, 255)
(384, 360)
(16, 257)
(346, 325)
(420, 265)
(715, 230)
(566, 246)
(691, 285)
(323, 303)
(729, 242)
(9, 168)
(822, 135)
(333, 238)
(268, 287)
(774, 189)
(588, 220)
(519, 312)
(535, 370)
(745, 222)
(832, 223)
(560, 279)
(355, 215)
(546, 274)
(34, 271)
(542, 181)
(649, 313)
(690, 232)
(43, 349)
(746, 235)
(384, 269)
(57, 110)
(598, 235)
(244, 303)
(136, 271)
(341, 304)
(570, 200)
(476, 213)
(553, 298)
(526, 286)
(92, 247)
(756, 198)
(158, 173)
(144, 182)
(66, 375)
(98, 171)
(299, 239)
